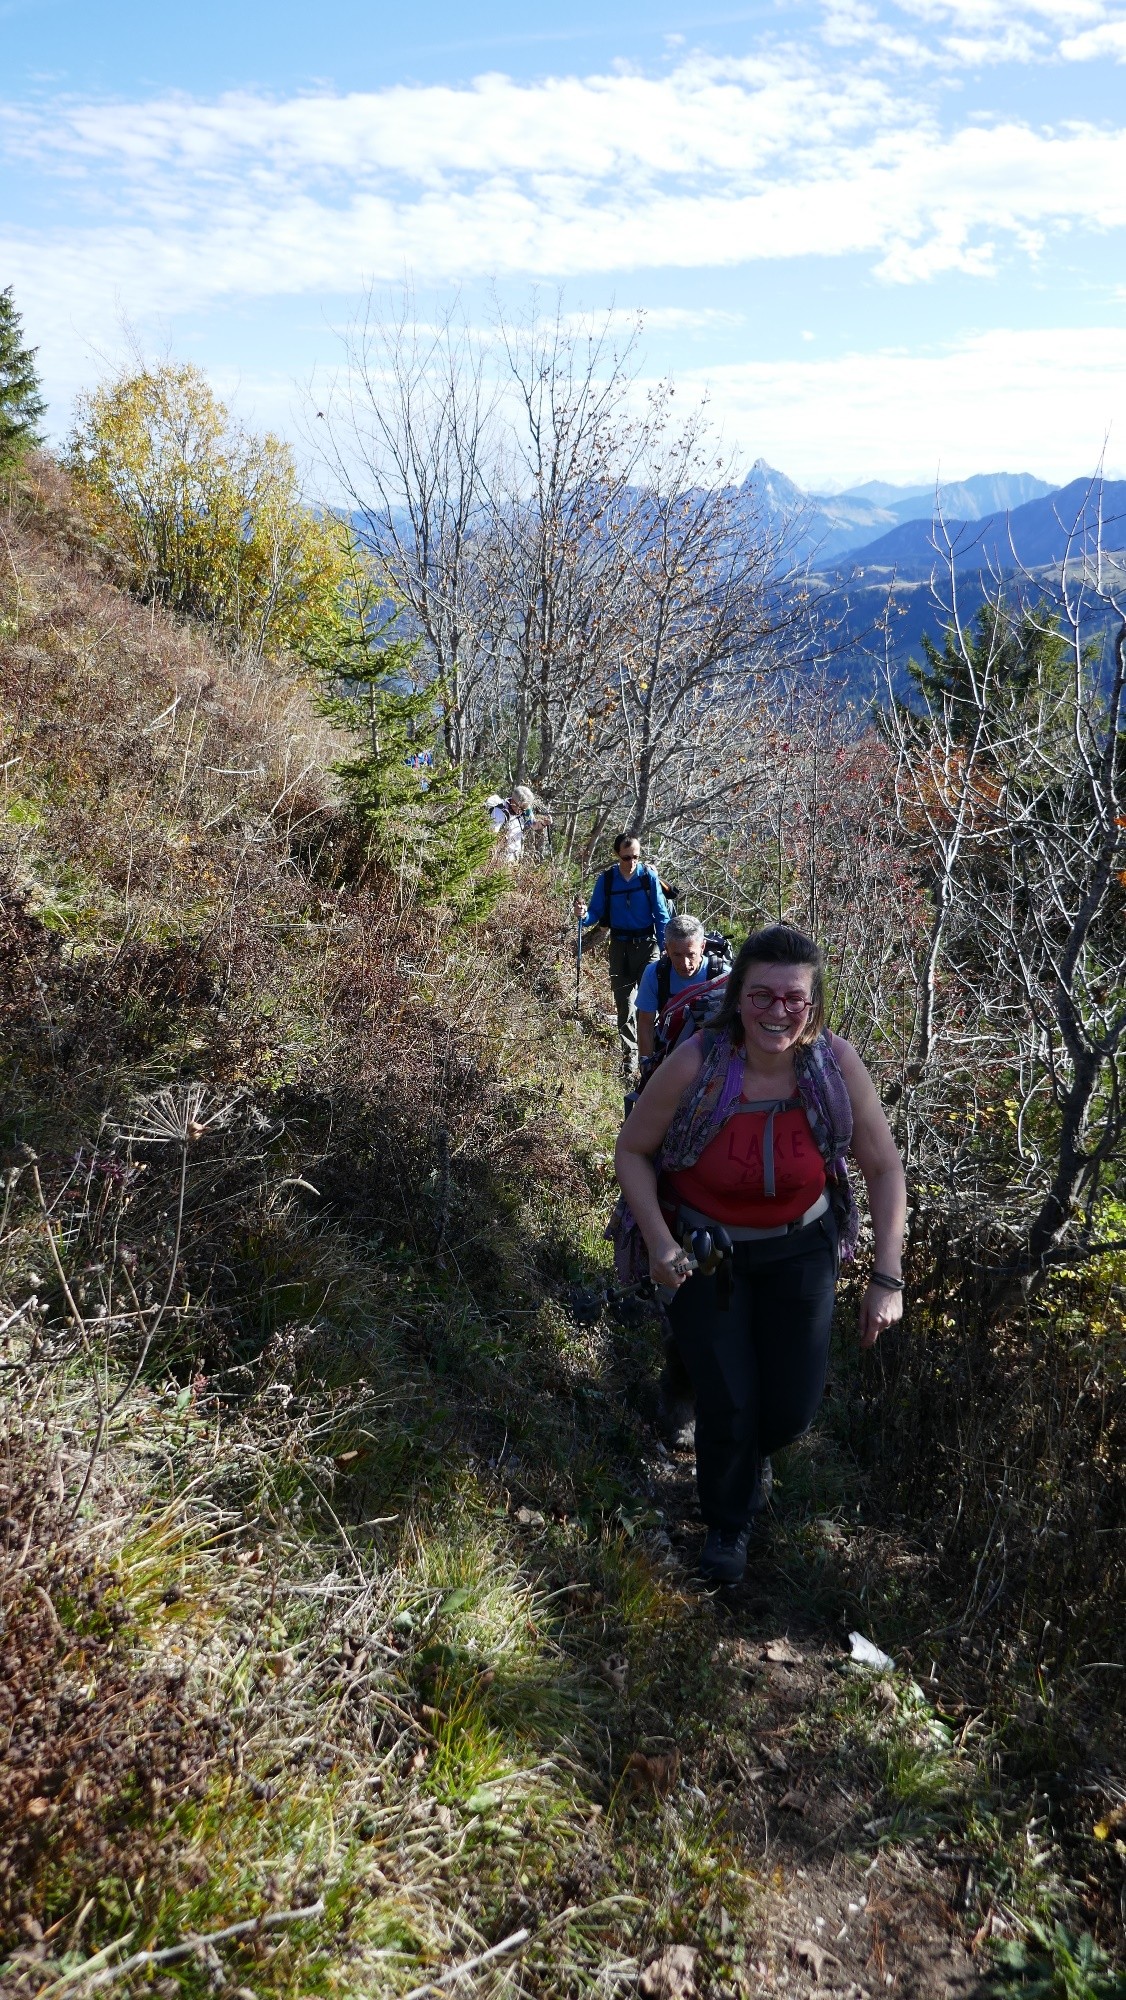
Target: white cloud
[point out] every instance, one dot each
(177, 202)
(980, 15)
(978, 32)
(1107, 40)
(704, 116)
(1041, 401)
(857, 24)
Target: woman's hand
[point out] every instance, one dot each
(881, 1309)
(671, 1267)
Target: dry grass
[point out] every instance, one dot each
(317, 1162)
(244, 1698)
(360, 1595)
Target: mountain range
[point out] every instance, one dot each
(1037, 535)
(825, 527)
(877, 554)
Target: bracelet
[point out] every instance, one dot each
(889, 1284)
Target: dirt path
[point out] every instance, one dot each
(846, 1913)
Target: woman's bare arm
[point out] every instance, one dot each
(877, 1156)
(638, 1141)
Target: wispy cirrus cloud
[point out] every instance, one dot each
(704, 116)
(909, 142)
(176, 201)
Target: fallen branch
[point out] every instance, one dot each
(13, 1317)
(468, 1965)
(249, 1927)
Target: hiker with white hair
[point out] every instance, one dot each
(514, 817)
(522, 810)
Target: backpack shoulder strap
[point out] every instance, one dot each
(664, 982)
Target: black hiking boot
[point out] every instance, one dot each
(724, 1556)
(764, 1487)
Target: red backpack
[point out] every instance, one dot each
(686, 1013)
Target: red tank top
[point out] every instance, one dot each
(729, 1182)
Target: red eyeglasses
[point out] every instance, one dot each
(762, 999)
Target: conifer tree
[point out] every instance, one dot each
(21, 405)
(417, 819)
(1010, 652)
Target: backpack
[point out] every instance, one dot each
(646, 873)
(686, 1014)
(718, 957)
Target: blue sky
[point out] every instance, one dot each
(885, 239)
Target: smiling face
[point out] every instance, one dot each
(774, 1004)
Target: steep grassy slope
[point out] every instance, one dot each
(281, 1622)
(346, 1585)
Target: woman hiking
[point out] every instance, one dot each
(737, 1146)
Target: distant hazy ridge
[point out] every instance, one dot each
(878, 546)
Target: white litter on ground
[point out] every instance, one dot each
(867, 1655)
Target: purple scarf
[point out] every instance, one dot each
(705, 1110)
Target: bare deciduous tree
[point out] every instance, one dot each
(409, 436)
(596, 599)
(1010, 780)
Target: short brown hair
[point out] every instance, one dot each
(776, 944)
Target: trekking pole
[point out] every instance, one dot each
(578, 965)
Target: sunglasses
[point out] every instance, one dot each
(762, 999)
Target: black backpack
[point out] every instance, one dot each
(649, 876)
(718, 960)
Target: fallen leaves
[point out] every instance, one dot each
(656, 1774)
(671, 1975)
(795, 1802)
(781, 1653)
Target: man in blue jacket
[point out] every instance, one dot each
(628, 899)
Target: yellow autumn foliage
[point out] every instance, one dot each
(204, 515)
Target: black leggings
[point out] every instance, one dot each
(758, 1367)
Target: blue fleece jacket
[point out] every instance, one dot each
(635, 905)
